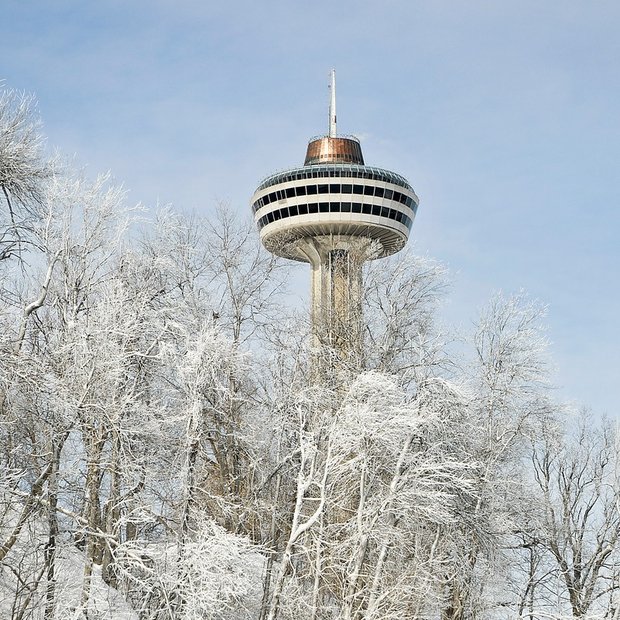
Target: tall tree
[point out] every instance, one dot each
(508, 381)
(579, 523)
(24, 169)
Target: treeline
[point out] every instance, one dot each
(166, 453)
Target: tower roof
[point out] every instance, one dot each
(334, 150)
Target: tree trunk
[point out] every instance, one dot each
(112, 513)
(53, 530)
(92, 512)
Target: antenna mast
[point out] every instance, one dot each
(332, 105)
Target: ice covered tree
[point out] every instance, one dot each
(508, 386)
(373, 482)
(168, 452)
(578, 524)
(24, 170)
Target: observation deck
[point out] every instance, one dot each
(334, 199)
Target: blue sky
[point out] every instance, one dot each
(502, 115)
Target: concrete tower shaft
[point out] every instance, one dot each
(336, 289)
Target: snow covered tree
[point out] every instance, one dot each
(24, 170)
(578, 524)
(402, 333)
(374, 481)
(168, 453)
(508, 382)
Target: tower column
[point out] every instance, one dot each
(336, 292)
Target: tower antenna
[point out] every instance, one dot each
(332, 105)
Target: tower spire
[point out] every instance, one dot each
(332, 104)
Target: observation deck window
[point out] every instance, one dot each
(336, 188)
(335, 207)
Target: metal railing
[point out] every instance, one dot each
(345, 137)
(316, 170)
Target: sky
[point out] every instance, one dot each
(503, 116)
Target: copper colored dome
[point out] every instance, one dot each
(336, 150)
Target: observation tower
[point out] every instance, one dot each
(335, 213)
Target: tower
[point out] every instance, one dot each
(335, 213)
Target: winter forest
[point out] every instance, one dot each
(168, 455)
